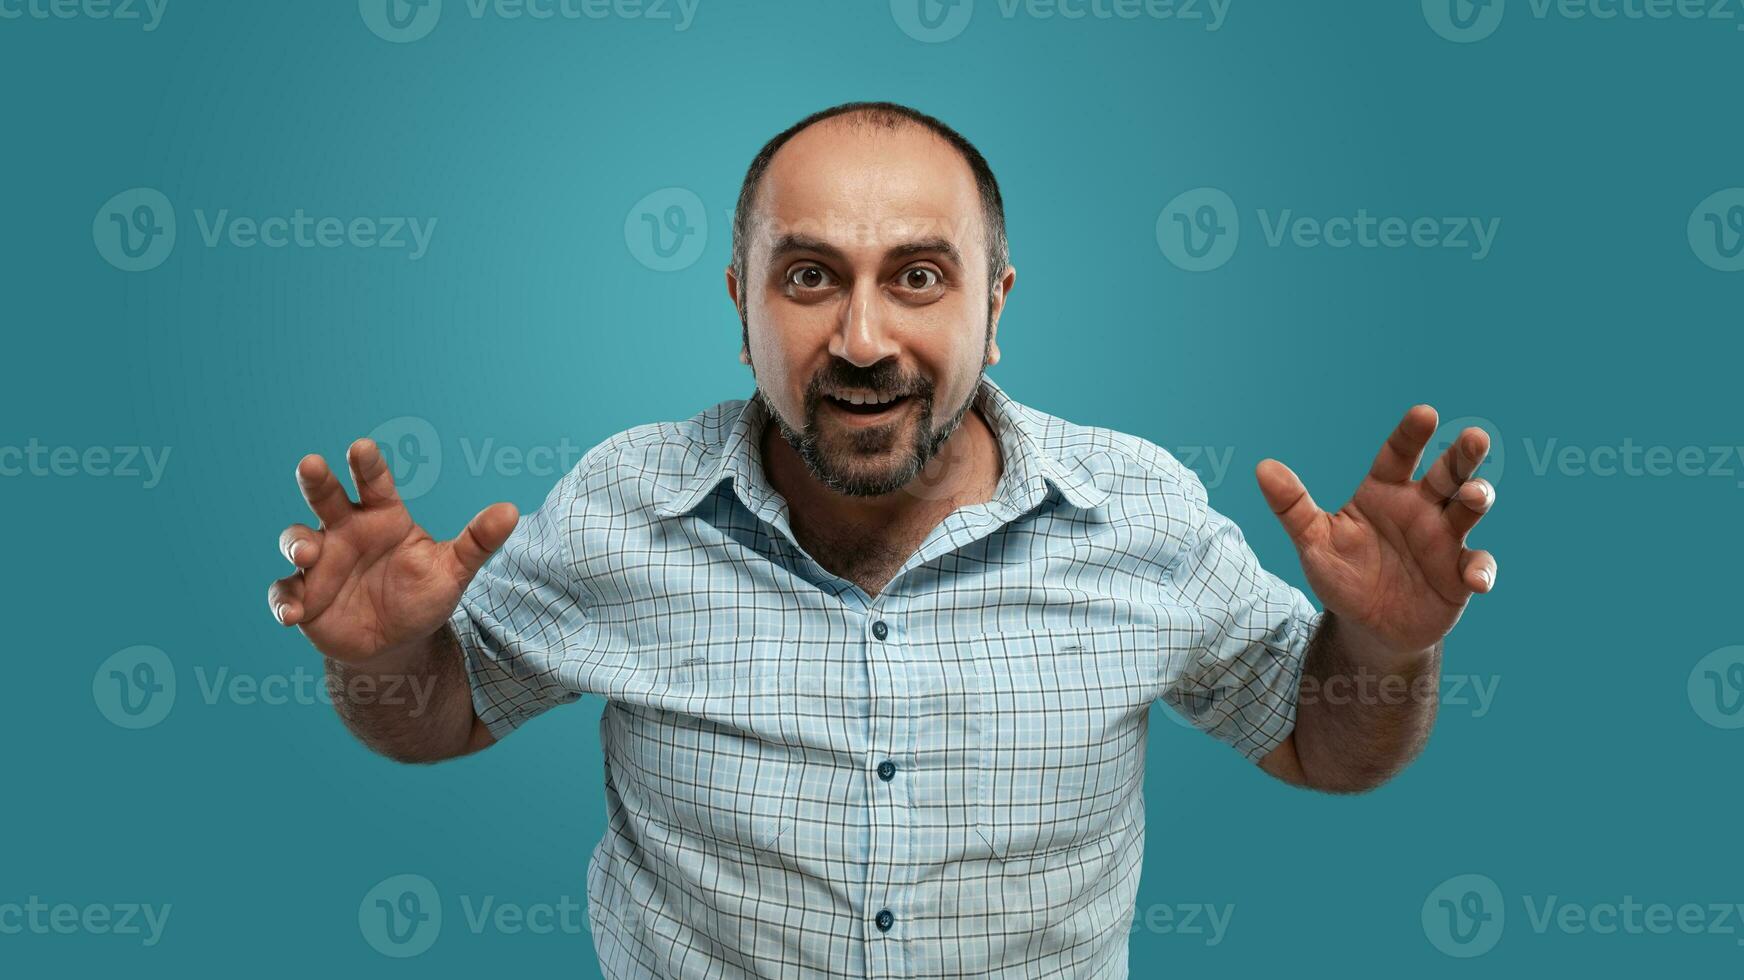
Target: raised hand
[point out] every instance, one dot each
(370, 580)
(1393, 560)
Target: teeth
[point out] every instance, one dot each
(856, 398)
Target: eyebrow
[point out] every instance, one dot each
(794, 242)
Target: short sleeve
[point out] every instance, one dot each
(519, 615)
(1233, 654)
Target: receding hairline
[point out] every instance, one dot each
(858, 121)
(889, 117)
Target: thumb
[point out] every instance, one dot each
(482, 536)
(1287, 498)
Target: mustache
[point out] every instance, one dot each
(880, 379)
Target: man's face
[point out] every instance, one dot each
(866, 280)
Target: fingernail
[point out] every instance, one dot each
(279, 613)
(295, 547)
(1484, 577)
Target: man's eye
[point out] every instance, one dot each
(808, 277)
(920, 278)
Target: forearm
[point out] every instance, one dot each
(412, 704)
(1363, 711)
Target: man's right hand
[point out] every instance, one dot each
(371, 581)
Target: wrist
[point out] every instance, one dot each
(1368, 647)
(408, 657)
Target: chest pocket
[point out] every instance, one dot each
(1063, 718)
(706, 739)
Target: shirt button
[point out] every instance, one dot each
(880, 630)
(886, 770)
(884, 920)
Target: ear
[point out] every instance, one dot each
(1001, 291)
(733, 294)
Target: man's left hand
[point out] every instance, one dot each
(1393, 560)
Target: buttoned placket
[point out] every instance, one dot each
(888, 884)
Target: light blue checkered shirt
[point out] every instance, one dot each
(802, 780)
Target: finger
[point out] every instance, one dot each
(371, 474)
(285, 598)
(1455, 466)
(1287, 498)
(1469, 505)
(322, 490)
(1477, 569)
(1398, 458)
(300, 544)
(482, 536)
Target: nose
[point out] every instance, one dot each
(863, 337)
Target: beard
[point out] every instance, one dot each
(869, 461)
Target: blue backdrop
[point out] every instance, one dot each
(238, 232)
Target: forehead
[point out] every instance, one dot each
(869, 188)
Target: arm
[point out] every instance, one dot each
(1357, 725)
(1394, 574)
(410, 705)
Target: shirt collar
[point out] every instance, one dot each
(1028, 470)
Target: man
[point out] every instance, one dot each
(878, 644)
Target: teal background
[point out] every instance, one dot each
(530, 320)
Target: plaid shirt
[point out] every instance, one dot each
(945, 779)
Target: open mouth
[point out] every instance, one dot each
(867, 405)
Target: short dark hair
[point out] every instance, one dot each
(887, 115)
